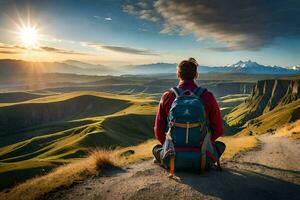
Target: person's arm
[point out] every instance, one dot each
(215, 118)
(161, 121)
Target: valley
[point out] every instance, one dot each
(42, 133)
(59, 120)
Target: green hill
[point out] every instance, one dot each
(40, 134)
(13, 97)
(272, 104)
(269, 122)
(18, 117)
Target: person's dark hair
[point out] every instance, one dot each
(187, 69)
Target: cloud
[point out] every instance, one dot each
(16, 49)
(236, 25)
(61, 51)
(8, 52)
(142, 11)
(148, 15)
(142, 4)
(8, 46)
(122, 49)
(225, 49)
(143, 29)
(103, 18)
(130, 9)
(10, 49)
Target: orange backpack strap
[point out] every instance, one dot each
(172, 166)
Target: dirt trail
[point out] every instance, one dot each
(277, 152)
(263, 173)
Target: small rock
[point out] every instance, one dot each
(127, 153)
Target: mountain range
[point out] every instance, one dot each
(248, 67)
(18, 67)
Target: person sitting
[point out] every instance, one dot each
(188, 122)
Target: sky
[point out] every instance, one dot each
(115, 32)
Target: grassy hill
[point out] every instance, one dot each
(13, 97)
(272, 104)
(42, 133)
(266, 96)
(17, 117)
(269, 122)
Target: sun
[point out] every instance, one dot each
(29, 36)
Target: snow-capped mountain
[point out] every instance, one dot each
(242, 64)
(239, 67)
(295, 68)
(255, 68)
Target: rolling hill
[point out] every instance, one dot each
(13, 97)
(42, 133)
(20, 116)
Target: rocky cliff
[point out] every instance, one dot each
(266, 96)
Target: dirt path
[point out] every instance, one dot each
(277, 152)
(258, 174)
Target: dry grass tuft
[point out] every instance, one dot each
(102, 159)
(63, 176)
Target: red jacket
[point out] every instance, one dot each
(212, 110)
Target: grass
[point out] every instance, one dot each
(273, 120)
(236, 144)
(100, 160)
(230, 101)
(12, 97)
(77, 171)
(291, 130)
(19, 116)
(49, 147)
(138, 152)
(268, 95)
(234, 97)
(38, 149)
(61, 177)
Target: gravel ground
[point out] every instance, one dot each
(270, 171)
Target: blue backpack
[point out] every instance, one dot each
(188, 145)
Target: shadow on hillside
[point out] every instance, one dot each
(232, 184)
(230, 130)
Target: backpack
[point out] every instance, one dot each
(188, 145)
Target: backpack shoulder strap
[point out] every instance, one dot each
(177, 91)
(199, 91)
